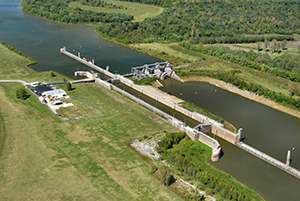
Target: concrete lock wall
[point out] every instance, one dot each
(225, 134)
(104, 84)
(194, 115)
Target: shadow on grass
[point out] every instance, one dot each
(71, 89)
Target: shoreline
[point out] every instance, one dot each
(244, 93)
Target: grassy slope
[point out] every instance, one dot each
(13, 67)
(165, 49)
(139, 11)
(45, 159)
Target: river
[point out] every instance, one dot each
(266, 129)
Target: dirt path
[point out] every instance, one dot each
(246, 94)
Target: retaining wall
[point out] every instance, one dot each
(104, 84)
(225, 134)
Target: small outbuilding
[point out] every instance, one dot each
(34, 84)
(56, 94)
(57, 102)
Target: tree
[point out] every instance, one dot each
(274, 45)
(22, 94)
(165, 176)
(69, 86)
(52, 74)
(259, 45)
(283, 44)
(267, 43)
(18, 94)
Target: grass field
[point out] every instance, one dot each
(80, 108)
(139, 11)
(165, 49)
(42, 158)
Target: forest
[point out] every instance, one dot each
(101, 3)
(191, 162)
(59, 10)
(211, 22)
(205, 21)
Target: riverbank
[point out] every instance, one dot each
(244, 93)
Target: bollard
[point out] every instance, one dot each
(288, 158)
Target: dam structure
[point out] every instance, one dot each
(206, 125)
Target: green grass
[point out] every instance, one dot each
(79, 109)
(139, 11)
(82, 159)
(165, 52)
(42, 158)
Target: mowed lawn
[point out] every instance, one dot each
(137, 10)
(42, 158)
(80, 108)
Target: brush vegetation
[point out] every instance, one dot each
(190, 160)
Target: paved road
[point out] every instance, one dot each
(21, 81)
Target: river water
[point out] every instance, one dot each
(266, 129)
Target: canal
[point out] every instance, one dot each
(266, 129)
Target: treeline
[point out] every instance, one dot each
(212, 22)
(32, 61)
(163, 3)
(101, 3)
(190, 160)
(240, 39)
(286, 65)
(59, 10)
(232, 78)
(207, 21)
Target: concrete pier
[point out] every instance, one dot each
(88, 63)
(270, 160)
